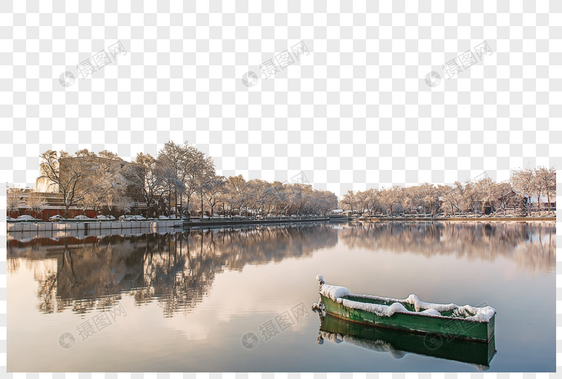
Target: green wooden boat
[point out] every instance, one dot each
(399, 343)
(412, 315)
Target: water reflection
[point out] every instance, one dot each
(531, 245)
(178, 270)
(399, 343)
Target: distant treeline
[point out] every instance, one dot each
(527, 190)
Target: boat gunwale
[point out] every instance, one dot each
(384, 326)
(411, 313)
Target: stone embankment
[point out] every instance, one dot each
(101, 228)
(59, 229)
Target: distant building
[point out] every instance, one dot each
(50, 191)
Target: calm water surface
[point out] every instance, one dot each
(239, 299)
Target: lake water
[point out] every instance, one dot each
(239, 299)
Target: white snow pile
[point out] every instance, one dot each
(431, 312)
(334, 292)
(418, 305)
(466, 312)
(483, 314)
(378, 309)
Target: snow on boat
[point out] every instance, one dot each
(410, 314)
(399, 343)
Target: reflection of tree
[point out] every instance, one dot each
(530, 245)
(176, 269)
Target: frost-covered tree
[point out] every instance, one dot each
(175, 164)
(13, 198)
(349, 201)
(547, 178)
(238, 193)
(147, 176)
(123, 204)
(109, 184)
(215, 187)
(73, 175)
(36, 202)
(523, 181)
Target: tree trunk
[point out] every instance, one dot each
(539, 202)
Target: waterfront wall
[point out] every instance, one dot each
(190, 224)
(60, 229)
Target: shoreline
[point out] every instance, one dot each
(61, 229)
(188, 224)
(445, 219)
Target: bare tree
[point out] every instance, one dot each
(36, 202)
(215, 186)
(147, 176)
(110, 181)
(522, 181)
(123, 204)
(349, 200)
(547, 178)
(13, 198)
(73, 175)
(175, 163)
(506, 195)
(238, 190)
